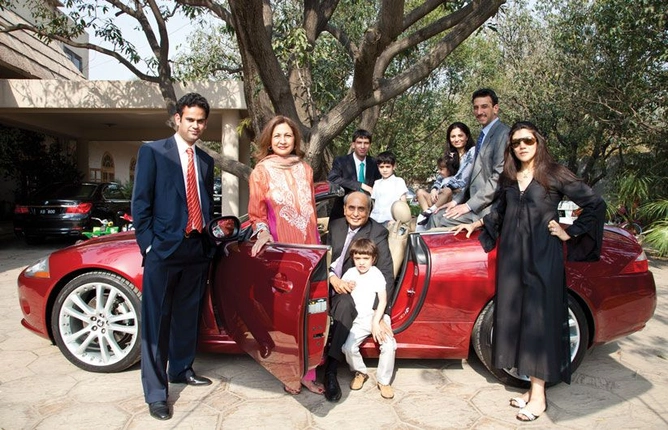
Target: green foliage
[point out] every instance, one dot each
(655, 210)
(592, 76)
(414, 125)
(212, 54)
(629, 191)
(657, 237)
(127, 187)
(656, 234)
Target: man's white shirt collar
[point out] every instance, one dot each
(181, 144)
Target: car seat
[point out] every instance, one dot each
(398, 233)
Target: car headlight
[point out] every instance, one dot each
(39, 269)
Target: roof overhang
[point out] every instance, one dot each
(107, 110)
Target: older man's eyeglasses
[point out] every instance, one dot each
(529, 141)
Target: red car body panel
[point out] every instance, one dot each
(117, 253)
(439, 301)
(278, 315)
(445, 282)
(300, 335)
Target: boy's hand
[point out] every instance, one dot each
(434, 195)
(383, 331)
(377, 332)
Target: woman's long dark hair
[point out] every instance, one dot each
(545, 169)
(451, 154)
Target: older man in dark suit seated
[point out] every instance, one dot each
(355, 225)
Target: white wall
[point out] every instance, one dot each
(122, 153)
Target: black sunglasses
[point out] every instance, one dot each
(529, 141)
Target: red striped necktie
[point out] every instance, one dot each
(194, 209)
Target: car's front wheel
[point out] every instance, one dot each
(482, 342)
(95, 322)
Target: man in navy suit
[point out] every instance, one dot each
(169, 213)
(355, 171)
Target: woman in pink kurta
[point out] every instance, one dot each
(281, 207)
(282, 199)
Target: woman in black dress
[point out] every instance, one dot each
(531, 317)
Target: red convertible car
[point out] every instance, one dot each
(86, 298)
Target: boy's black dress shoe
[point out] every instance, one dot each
(332, 388)
(159, 410)
(192, 379)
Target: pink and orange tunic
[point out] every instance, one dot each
(282, 199)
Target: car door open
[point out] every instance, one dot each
(275, 305)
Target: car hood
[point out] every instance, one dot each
(109, 240)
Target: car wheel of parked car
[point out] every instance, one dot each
(95, 322)
(482, 342)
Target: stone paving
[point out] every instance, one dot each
(623, 384)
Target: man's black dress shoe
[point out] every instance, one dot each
(159, 410)
(192, 379)
(332, 388)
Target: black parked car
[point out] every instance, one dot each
(67, 210)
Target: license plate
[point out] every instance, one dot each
(47, 211)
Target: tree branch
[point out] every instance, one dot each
(435, 57)
(316, 17)
(229, 165)
(92, 47)
(426, 33)
(343, 39)
(215, 7)
(254, 35)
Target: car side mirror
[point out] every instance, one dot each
(224, 228)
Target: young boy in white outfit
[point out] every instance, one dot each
(369, 283)
(386, 190)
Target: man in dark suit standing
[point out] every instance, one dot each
(355, 171)
(474, 201)
(342, 232)
(172, 201)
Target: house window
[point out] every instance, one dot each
(107, 168)
(133, 166)
(74, 58)
(95, 175)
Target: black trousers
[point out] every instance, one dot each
(343, 313)
(172, 293)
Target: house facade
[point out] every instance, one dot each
(44, 88)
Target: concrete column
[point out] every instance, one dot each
(230, 149)
(83, 161)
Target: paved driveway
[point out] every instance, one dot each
(620, 385)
